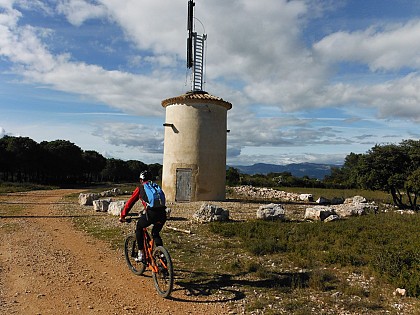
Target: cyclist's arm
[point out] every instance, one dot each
(130, 203)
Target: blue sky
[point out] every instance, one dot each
(309, 80)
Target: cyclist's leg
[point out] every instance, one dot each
(159, 219)
(142, 223)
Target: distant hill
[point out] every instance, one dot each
(311, 170)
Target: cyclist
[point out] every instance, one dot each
(155, 215)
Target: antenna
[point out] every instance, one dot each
(195, 50)
(190, 27)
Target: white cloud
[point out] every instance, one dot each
(139, 94)
(283, 158)
(78, 11)
(257, 59)
(40, 5)
(249, 40)
(152, 25)
(387, 47)
(8, 16)
(262, 48)
(135, 94)
(397, 98)
(146, 138)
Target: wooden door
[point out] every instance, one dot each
(183, 184)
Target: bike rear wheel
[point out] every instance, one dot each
(164, 277)
(130, 252)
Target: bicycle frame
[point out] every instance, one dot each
(148, 245)
(157, 260)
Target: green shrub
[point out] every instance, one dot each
(386, 243)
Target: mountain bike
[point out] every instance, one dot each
(156, 259)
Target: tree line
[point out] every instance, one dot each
(61, 162)
(393, 168)
(283, 179)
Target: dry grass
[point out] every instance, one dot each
(219, 269)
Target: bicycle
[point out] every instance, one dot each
(156, 259)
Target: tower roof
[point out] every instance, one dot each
(197, 98)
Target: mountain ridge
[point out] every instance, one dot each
(312, 170)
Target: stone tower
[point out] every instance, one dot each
(194, 158)
(194, 155)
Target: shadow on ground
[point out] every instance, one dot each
(226, 288)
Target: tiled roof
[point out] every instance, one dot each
(196, 97)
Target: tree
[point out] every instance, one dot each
(232, 176)
(115, 170)
(155, 169)
(392, 168)
(412, 185)
(64, 161)
(345, 176)
(4, 159)
(93, 164)
(135, 167)
(21, 157)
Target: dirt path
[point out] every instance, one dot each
(48, 267)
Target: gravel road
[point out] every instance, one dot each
(49, 267)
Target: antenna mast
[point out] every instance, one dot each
(195, 50)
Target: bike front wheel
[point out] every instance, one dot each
(164, 277)
(130, 252)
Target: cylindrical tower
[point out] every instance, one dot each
(194, 157)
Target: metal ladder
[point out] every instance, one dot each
(198, 76)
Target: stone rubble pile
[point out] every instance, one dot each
(112, 192)
(326, 210)
(88, 198)
(210, 213)
(269, 193)
(272, 211)
(354, 206)
(116, 207)
(101, 203)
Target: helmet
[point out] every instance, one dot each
(145, 175)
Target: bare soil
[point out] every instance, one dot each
(47, 266)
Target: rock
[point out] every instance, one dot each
(209, 213)
(116, 207)
(323, 201)
(101, 204)
(306, 197)
(405, 211)
(318, 213)
(399, 292)
(87, 199)
(272, 211)
(111, 193)
(337, 200)
(331, 218)
(265, 193)
(355, 209)
(349, 210)
(356, 199)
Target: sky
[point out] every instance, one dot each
(309, 80)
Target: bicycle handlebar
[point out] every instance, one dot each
(130, 217)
